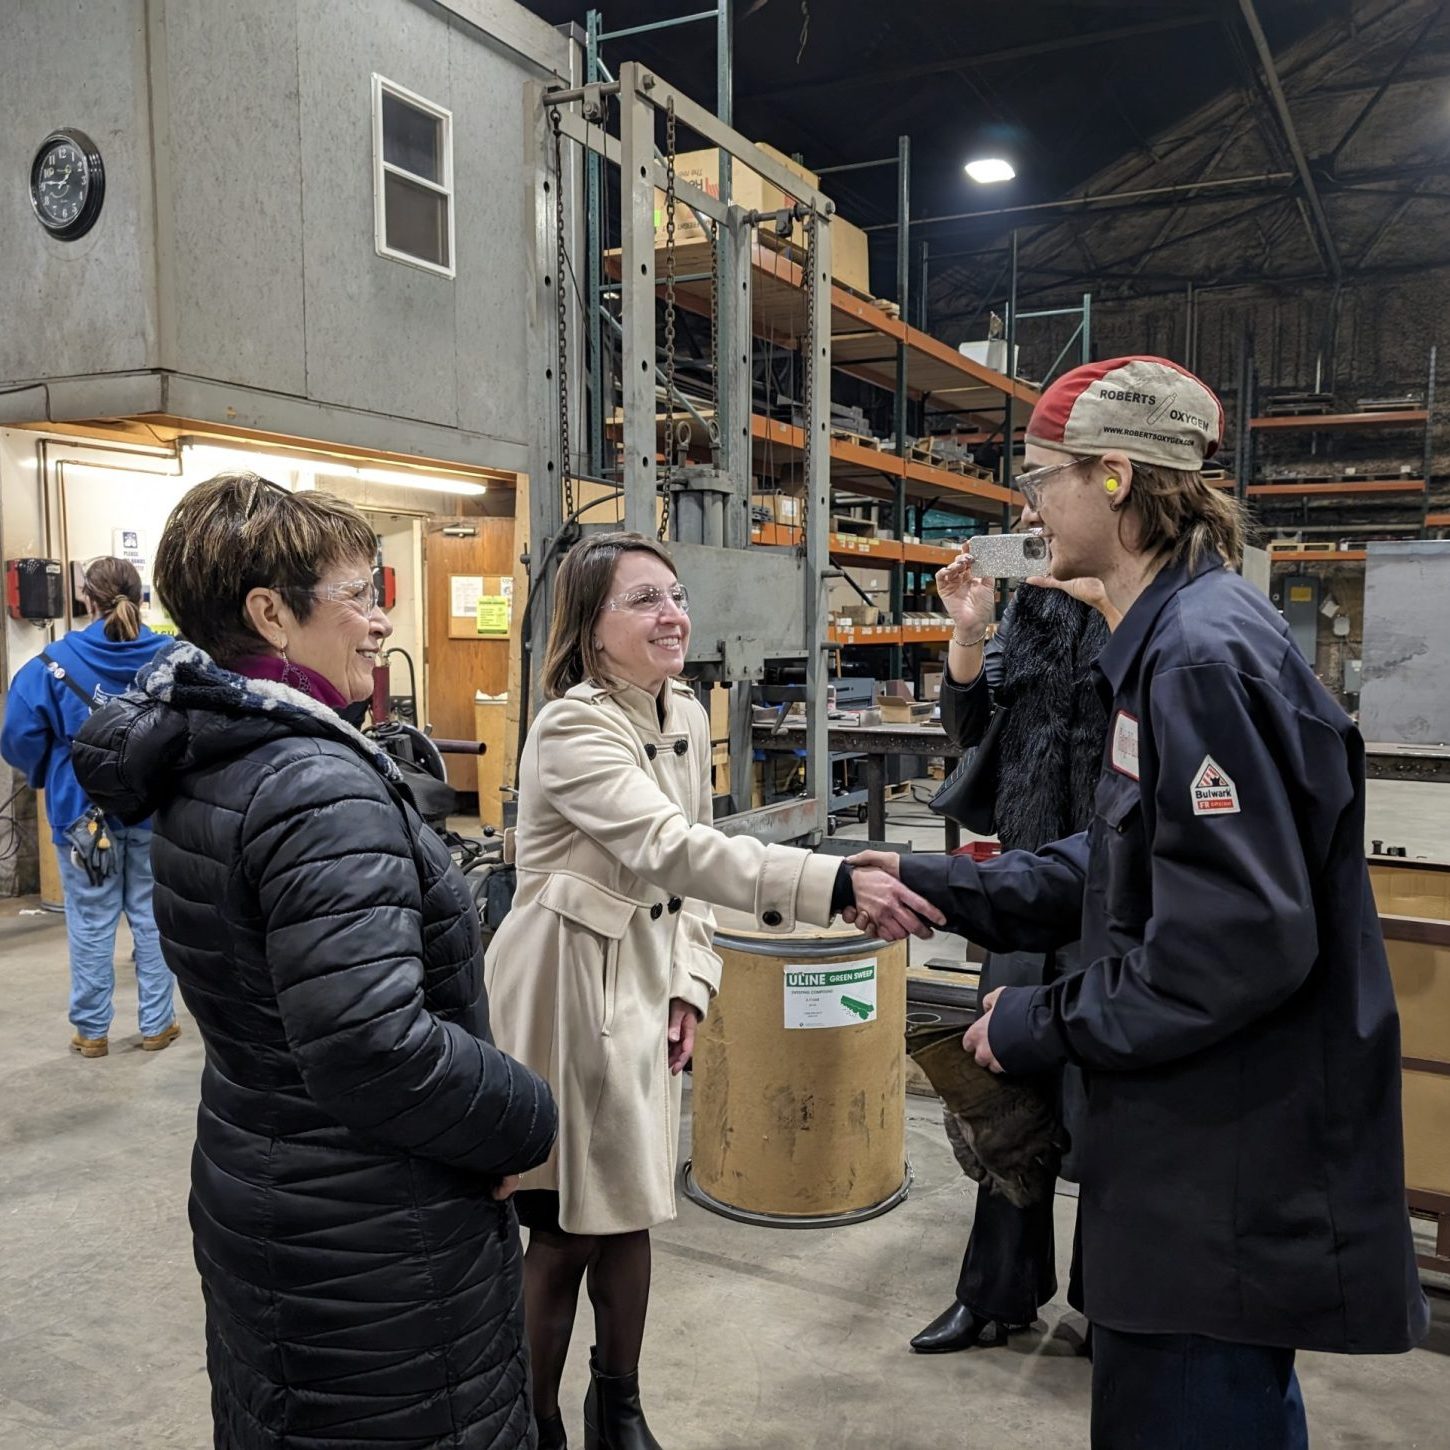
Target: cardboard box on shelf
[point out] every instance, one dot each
(841, 596)
(897, 689)
(898, 711)
(785, 508)
(753, 193)
(850, 256)
(931, 685)
(859, 615)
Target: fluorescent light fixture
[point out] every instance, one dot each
(427, 482)
(205, 458)
(990, 168)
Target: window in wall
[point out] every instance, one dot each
(412, 178)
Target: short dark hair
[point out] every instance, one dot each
(238, 532)
(583, 584)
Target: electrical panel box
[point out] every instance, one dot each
(1301, 612)
(1353, 676)
(35, 589)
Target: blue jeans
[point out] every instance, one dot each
(91, 916)
(1185, 1392)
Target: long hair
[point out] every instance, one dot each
(1181, 516)
(582, 586)
(114, 587)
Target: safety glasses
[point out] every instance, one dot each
(1029, 484)
(648, 599)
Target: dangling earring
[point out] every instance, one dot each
(293, 677)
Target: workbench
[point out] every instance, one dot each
(875, 743)
(1389, 760)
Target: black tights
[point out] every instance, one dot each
(618, 1267)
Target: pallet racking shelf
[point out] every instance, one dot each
(1348, 487)
(1400, 417)
(1317, 556)
(1418, 419)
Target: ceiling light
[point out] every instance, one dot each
(205, 458)
(990, 168)
(427, 482)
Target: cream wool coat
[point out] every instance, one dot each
(616, 863)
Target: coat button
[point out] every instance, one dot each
(650, 751)
(676, 903)
(770, 918)
(681, 746)
(656, 911)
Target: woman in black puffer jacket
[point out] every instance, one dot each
(359, 1135)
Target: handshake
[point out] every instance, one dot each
(883, 905)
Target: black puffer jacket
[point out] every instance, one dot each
(362, 1285)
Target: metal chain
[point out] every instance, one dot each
(561, 346)
(671, 447)
(809, 378)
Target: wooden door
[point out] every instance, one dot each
(458, 668)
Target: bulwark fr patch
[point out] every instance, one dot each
(1214, 793)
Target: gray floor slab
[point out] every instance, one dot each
(759, 1339)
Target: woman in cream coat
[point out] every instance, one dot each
(602, 970)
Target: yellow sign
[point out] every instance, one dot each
(493, 614)
(1300, 594)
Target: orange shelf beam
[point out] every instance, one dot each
(1296, 490)
(928, 554)
(1437, 521)
(1320, 556)
(1343, 420)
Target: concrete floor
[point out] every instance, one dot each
(759, 1339)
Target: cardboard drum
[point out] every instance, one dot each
(800, 1078)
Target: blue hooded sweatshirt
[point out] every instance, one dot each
(42, 713)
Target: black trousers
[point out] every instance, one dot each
(1009, 1270)
(1185, 1392)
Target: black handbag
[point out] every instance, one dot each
(968, 795)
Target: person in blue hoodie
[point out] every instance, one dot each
(105, 867)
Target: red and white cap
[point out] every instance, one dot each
(1147, 407)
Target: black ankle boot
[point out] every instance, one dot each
(613, 1419)
(552, 1435)
(959, 1328)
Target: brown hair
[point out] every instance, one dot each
(1182, 517)
(582, 586)
(238, 532)
(114, 587)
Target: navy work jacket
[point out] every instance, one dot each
(1242, 1156)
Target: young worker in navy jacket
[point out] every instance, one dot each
(1242, 1158)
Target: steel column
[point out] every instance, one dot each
(594, 243)
(1429, 442)
(637, 366)
(899, 403)
(818, 481)
(725, 252)
(1009, 421)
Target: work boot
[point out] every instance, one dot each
(90, 1046)
(959, 1328)
(552, 1435)
(613, 1419)
(164, 1038)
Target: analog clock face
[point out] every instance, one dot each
(65, 184)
